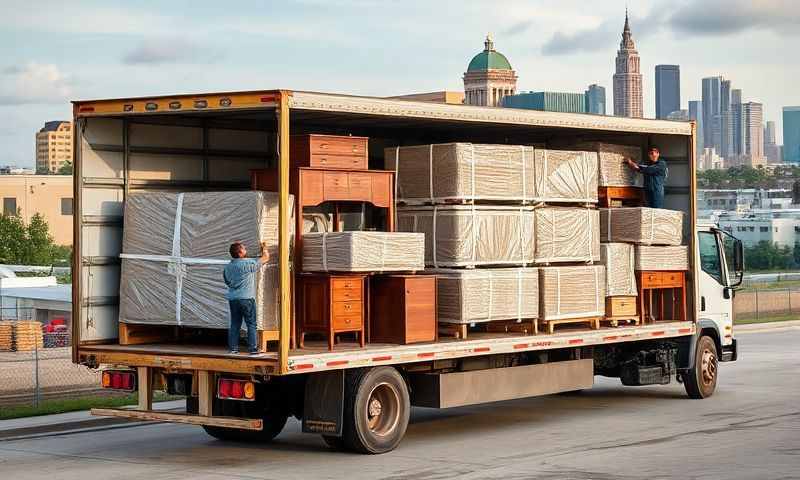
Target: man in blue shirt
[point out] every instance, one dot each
(655, 175)
(239, 276)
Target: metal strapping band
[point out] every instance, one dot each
(396, 171)
(522, 257)
(324, 252)
(430, 171)
(652, 224)
(491, 295)
(519, 293)
(433, 243)
(596, 288)
(472, 163)
(524, 175)
(474, 234)
(590, 231)
(558, 290)
(180, 270)
(544, 182)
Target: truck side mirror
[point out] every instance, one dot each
(738, 256)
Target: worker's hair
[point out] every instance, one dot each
(653, 147)
(234, 250)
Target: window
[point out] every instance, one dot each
(752, 229)
(709, 255)
(66, 206)
(10, 206)
(796, 229)
(763, 229)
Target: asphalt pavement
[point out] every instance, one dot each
(750, 429)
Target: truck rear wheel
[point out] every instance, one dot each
(376, 410)
(701, 381)
(274, 417)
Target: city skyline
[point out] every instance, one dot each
(113, 49)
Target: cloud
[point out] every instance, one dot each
(33, 83)
(517, 28)
(729, 17)
(169, 50)
(588, 40)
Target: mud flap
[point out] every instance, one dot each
(323, 404)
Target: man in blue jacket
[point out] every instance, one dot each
(655, 175)
(239, 276)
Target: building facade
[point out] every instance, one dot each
(53, 146)
(443, 96)
(696, 114)
(711, 113)
(737, 133)
(548, 101)
(47, 195)
(628, 78)
(668, 90)
(489, 77)
(791, 134)
(753, 124)
(771, 149)
(596, 99)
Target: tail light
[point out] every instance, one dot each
(235, 389)
(119, 380)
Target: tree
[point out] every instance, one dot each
(12, 239)
(65, 169)
(29, 244)
(769, 256)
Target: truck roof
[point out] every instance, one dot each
(371, 106)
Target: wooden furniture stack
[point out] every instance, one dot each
(655, 287)
(329, 168)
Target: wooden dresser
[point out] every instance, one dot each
(331, 304)
(662, 294)
(404, 309)
(329, 151)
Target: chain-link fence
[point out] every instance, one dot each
(766, 304)
(36, 362)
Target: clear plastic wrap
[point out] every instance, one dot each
(459, 236)
(363, 252)
(567, 234)
(620, 277)
(641, 225)
(486, 294)
(662, 258)
(613, 170)
(572, 292)
(512, 173)
(170, 279)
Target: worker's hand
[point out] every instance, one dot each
(631, 164)
(264, 252)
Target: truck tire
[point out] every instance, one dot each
(376, 410)
(701, 381)
(274, 418)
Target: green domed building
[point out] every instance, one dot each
(489, 77)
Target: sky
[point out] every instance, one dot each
(52, 52)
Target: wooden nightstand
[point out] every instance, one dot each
(660, 283)
(331, 304)
(404, 309)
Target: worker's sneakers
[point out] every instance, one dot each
(233, 352)
(254, 353)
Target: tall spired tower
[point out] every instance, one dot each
(628, 79)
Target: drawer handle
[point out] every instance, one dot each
(348, 307)
(346, 320)
(355, 148)
(323, 160)
(323, 145)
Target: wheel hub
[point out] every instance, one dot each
(708, 367)
(374, 407)
(383, 409)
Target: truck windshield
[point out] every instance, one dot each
(709, 255)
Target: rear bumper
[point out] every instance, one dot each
(150, 415)
(730, 352)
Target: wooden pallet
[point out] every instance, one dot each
(594, 323)
(461, 330)
(137, 334)
(616, 321)
(620, 197)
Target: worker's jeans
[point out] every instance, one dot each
(242, 309)
(655, 197)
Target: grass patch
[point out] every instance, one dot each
(765, 318)
(49, 407)
(782, 285)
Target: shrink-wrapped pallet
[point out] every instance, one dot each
(460, 236)
(467, 172)
(175, 247)
(363, 252)
(487, 294)
(662, 258)
(614, 172)
(567, 234)
(641, 225)
(572, 292)
(620, 277)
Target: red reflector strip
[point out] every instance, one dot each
(425, 355)
(610, 338)
(520, 345)
(303, 366)
(481, 349)
(684, 330)
(575, 341)
(657, 334)
(86, 109)
(336, 363)
(268, 98)
(381, 359)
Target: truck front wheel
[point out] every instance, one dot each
(376, 410)
(701, 381)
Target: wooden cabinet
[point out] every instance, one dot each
(331, 304)
(329, 151)
(620, 306)
(662, 295)
(403, 309)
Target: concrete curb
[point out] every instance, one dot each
(765, 327)
(71, 422)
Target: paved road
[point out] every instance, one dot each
(749, 430)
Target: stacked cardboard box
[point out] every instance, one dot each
(641, 225)
(614, 171)
(175, 246)
(662, 258)
(572, 292)
(567, 234)
(363, 251)
(619, 262)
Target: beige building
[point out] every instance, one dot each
(628, 78)
(444, 96)
(48, 195)
(53, 146)
(489, 77)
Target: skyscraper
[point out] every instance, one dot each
(769, 132)
(53, 146)
(791, 134)
(596, 99)
(752, 119)
(547, 101)
(737, 133)
(771, 149)
(668, 90)
(628, 79)
(696, 114)
(711, 109)
(726, 147)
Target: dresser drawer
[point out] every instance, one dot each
(672, 279)
(621, 306)
(347, 322)
(651, 279)
(338, 145)
(346, 285)
(348, 162)
(346, 308)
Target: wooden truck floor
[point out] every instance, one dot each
(316, 357)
